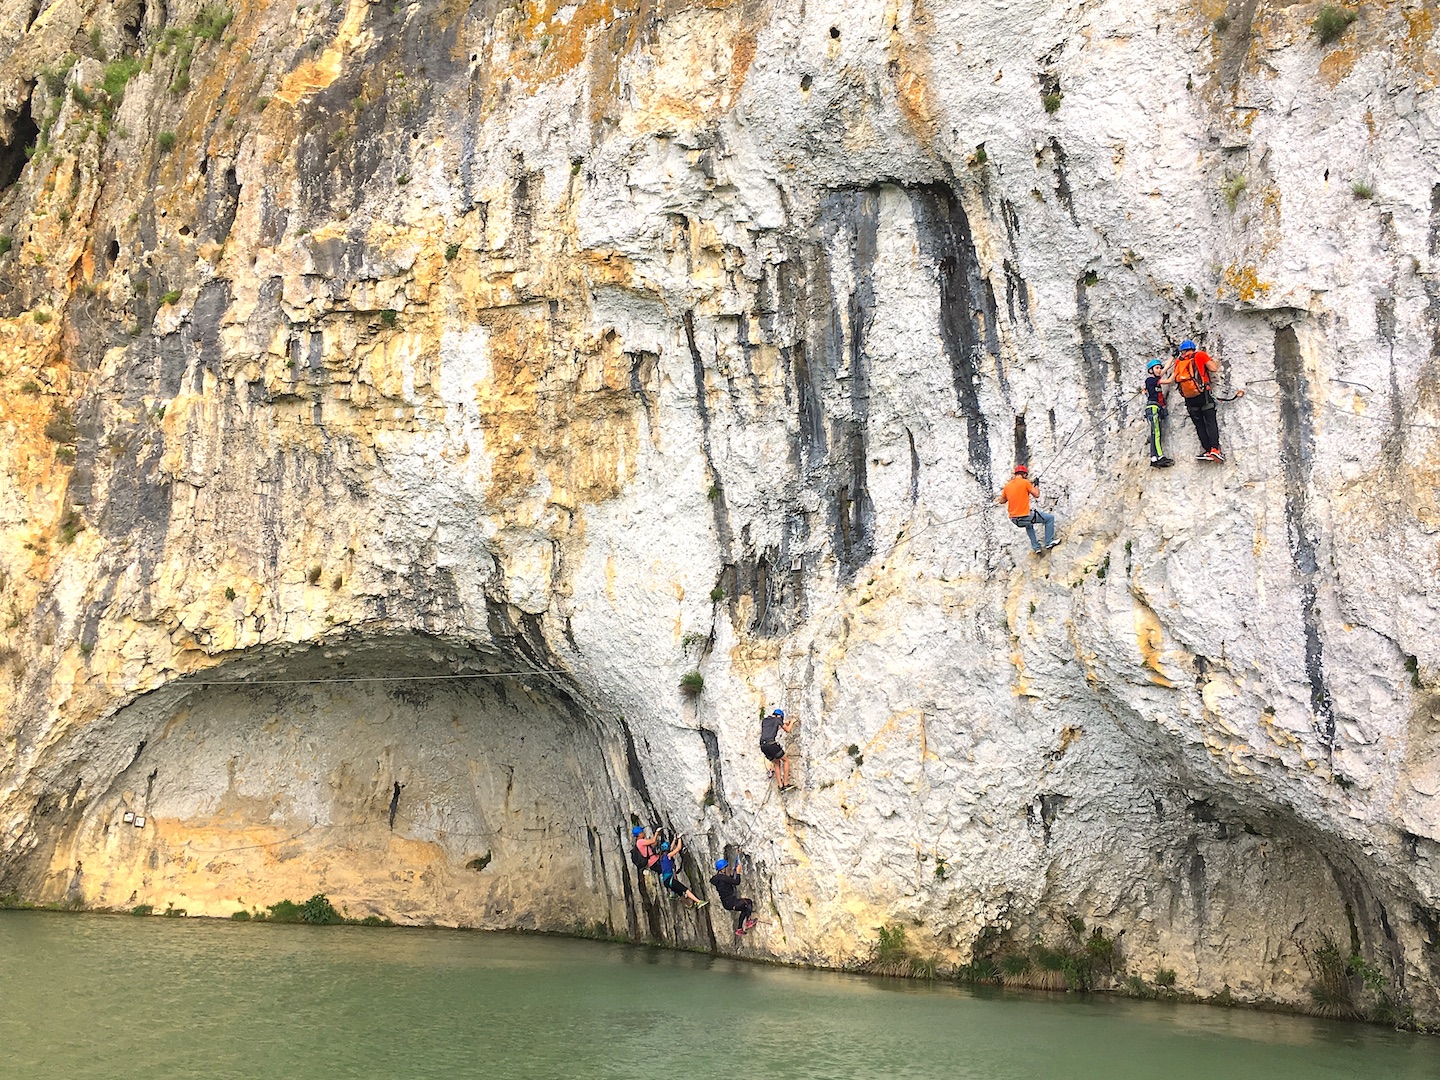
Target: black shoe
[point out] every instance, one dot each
(1203, 455)
(1214, 455)
(1162, 463)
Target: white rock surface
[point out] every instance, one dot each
(613, 345)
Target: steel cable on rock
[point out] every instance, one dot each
(1058, 456)
(1066, 454)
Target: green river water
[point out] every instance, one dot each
(121, 997)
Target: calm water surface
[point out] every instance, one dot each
(122, 997)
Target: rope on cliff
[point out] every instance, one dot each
(362, 823)
(1348, 414)
(1056, 457)
(378, 678)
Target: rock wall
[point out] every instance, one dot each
(572, 348)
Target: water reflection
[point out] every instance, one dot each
(124, 998)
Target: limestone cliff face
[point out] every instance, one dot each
(582, 346)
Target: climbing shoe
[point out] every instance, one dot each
(1161, 462)
(1054, 543)
(1214, 455)
(1037, 551)
(1203, 455)
(739, 931)
(750, 923)
(700, 903)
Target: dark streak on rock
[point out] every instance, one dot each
(717, 779)
(1062, 179)
(966, 310)
(849, 223)
(702, 409)
(1297, 449)
(1195, 878)
(18, 132)
(1093, 367)
(914, 467)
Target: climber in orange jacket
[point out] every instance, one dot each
(1192, 374)
(1016, 496)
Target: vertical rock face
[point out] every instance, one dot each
(348, 348)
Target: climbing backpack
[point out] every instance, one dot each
(1191, 377)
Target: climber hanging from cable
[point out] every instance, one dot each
(726, 880)
(1016, 495)
(669, 871)
(643, 851)
(1155, 413)
(771, 724)
(1193, 373)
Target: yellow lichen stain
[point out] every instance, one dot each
(909, 65)
(697, 55)
(1019, 687)
(555, 404)
(1150, 638)
(603, 267)
(1259, 541)
(1282, 738)
(1244, 282)
(1415, 50)
(1337, 63)
(610, 593)
(319, 73)
(545, 45)
(1420, 23)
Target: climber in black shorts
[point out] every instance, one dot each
(727, 883)
(771, 725)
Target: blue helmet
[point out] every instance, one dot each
(1157, 362)
(1186, 344)
(637, 830)
(778, 712)
(720, 864)
(665, 847)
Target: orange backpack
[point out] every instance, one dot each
(1190, 375)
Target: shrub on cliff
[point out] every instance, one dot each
(1340, 986)
(893, 956)
(1332, 22)
(317, 911)
(61, 425)
(1087, 960)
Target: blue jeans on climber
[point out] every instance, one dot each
(1038, 517)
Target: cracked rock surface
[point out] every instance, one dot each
(449, 380)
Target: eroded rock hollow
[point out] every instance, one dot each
(400, 400)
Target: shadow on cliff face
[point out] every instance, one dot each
(401, 776)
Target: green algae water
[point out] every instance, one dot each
(121, 997)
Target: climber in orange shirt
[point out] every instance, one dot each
(1016, 495)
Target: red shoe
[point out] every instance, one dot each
(750, 923)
